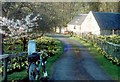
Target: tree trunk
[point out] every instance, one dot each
(119, 6)
(55, 29)
(0, 44)
(24, 43)
(60, 29)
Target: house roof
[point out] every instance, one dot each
(77, 20)
(107, 20)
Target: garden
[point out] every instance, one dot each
(24, 21)
(16, 35)
(17, 66)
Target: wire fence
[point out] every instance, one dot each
(112, 50)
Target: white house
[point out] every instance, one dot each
(101, 23)
(61, 29)
(75, 24)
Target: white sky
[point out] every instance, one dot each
(60, 0)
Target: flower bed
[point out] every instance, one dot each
(18, 64)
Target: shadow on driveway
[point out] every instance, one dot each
(77, 64)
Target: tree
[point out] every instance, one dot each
(19, 27)
(119, 6)
(94, 6)
(109, 6)
(54, 14)
(16, 10)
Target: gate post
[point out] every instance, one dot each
(31, 49)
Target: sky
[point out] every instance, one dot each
(60, 0)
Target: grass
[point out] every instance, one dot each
(110, 68)
(18, 75)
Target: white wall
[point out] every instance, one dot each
(62, 29)
(90, 25)
(74, 28)
(70, 27)
(57, 30)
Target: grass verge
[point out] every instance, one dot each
(17, 75)
(110, 68)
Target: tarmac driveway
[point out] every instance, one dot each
(76, 63)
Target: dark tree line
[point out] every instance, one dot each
(55, 14)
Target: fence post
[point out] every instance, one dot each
(5, 70)
(0, 33)
(1, 51)
(4, 59)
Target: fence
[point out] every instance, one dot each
(4, 61)
(112, 50)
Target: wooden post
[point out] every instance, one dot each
(5, 60)
(5, 70)
(0, 34)
(0, 49)
(113, 32)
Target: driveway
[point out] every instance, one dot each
(76, 63)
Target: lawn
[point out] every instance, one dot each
(17, 75)
(109, 67)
